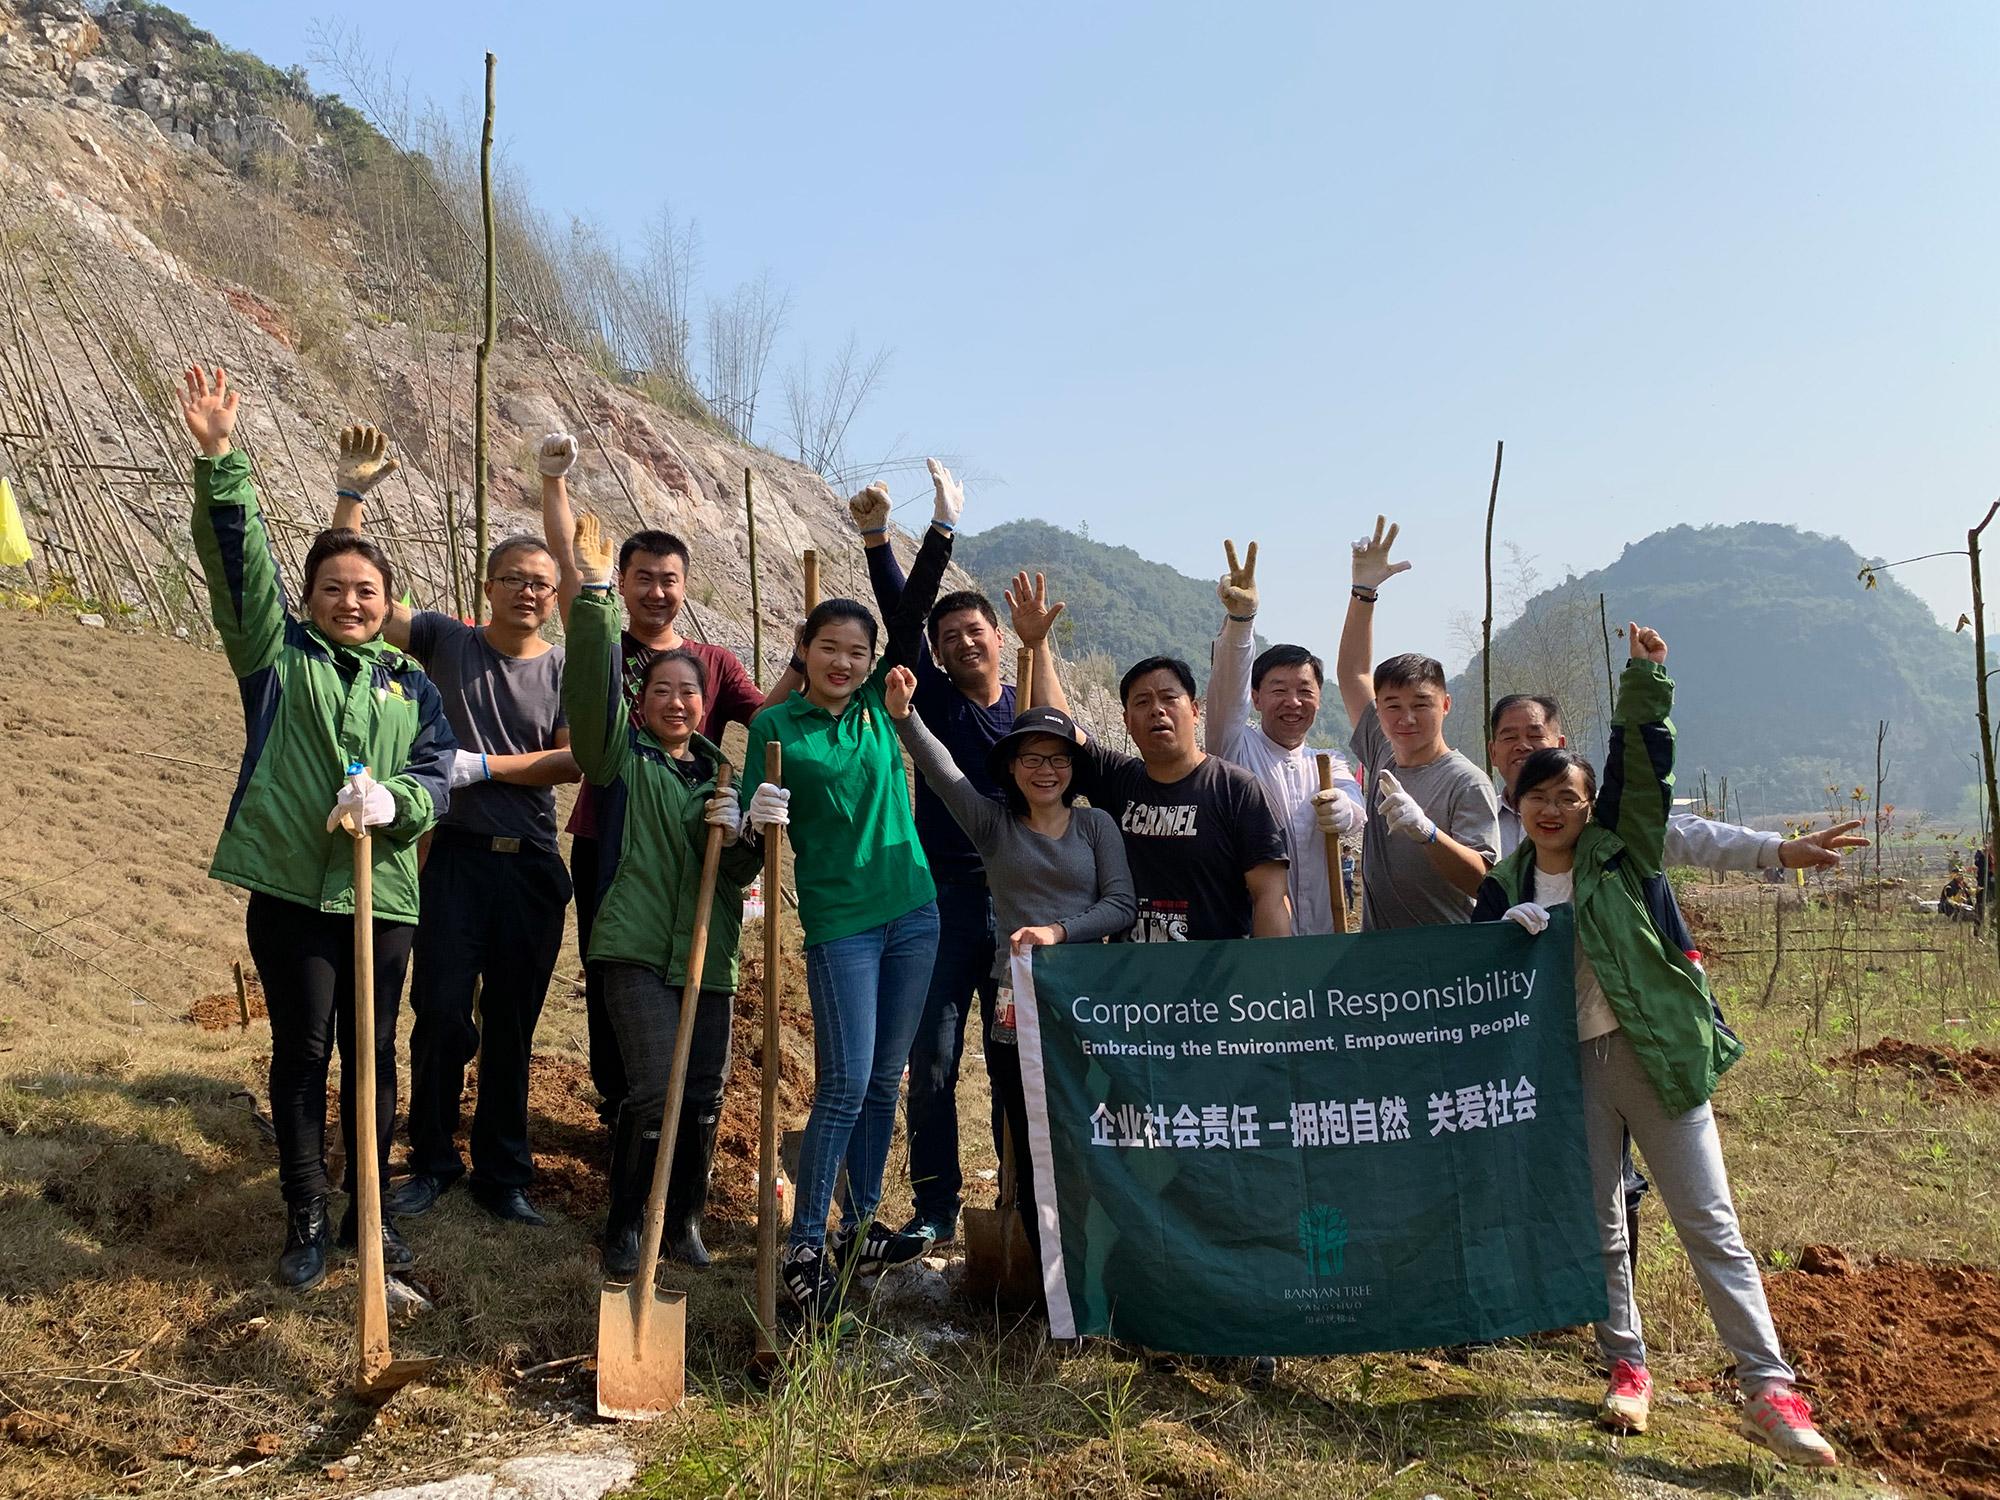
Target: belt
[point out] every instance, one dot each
(493, 843)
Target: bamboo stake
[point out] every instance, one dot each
(1610, 683)
(1486, 627)
(756, 602)
(487, 336)
(1985, 714)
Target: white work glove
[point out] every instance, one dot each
(1530, 917)
(722, 813)
(870, 509)
(950, 494)
(1238, 588)
(1372, 567)
(1337, 813)
(770, 806)
(557, 453)
(467, 767)
(364, 460)
(1402, 812)
(364, 803)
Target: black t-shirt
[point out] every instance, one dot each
(1189, 842)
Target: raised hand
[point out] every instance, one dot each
(870, 510)
(208, 406)
(1028, 604)
(1646, 643)
(364, 460)
(593, 552)
(950, 494)
(1238, 589)
(898, 688)
(1372, 567)
(555, 455)
(1402, 811)
(1816, 850)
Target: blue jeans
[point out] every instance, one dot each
(964, 969)
(867, 996)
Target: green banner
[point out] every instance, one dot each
(1315, 1145)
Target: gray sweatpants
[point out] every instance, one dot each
(1684, 1156)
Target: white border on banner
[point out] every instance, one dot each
(1041, 1151)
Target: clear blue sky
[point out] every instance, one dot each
(1187, 271)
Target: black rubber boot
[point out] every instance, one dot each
(307, 1234)
(634, 1147)
(687, 1191)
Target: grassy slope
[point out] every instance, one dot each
(136, 1200)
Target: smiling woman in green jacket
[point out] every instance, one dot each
(657, 800)
(1650, 1046)
(319, 694)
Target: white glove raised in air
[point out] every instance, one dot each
(467, 767)
(950, 494)
(363, 803)
(1531, 917)
(1337, 812)
(770, 806)
(722, 813)
(557, 453)
(1402, 813)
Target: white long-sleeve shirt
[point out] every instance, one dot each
(1700, 842)
(1290, 778)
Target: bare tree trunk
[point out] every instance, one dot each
(486, 339)
(1486, 626)
(1985, 716)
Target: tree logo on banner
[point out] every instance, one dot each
(1323, 1237)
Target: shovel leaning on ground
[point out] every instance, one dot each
(998, 1261)
(641, 1331)
(377, 1375)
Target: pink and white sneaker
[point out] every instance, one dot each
(1780, 1419)
(1628, 1400)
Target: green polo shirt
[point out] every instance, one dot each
(854, 840)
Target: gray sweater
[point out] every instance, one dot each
(1080, 880)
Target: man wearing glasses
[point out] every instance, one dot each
(493, 887)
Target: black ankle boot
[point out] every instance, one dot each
(687, 1191)
(635, 1147)
(307, 1232)
(396, 1252)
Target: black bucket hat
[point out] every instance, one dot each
(1027, 725)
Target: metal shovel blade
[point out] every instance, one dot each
(640, 1375)
(378, 1385)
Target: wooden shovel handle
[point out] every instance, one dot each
(1334, 883)
(767, 1144)
(670, 1112)
(372, 1319)
(811, 564)
(1024, 681)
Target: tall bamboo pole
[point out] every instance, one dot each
(1985, 715)
(1610, 682)
(488, 333)
(756, 604)
(1486, 628)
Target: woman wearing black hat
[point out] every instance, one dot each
(1057, 872)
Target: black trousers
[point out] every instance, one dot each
(607, 1065)
(492, 920)
(305, 961)
(647, 1012)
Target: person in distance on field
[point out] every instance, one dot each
(320, 694)
(1651, 1048)
(494, 885)
(657, 789)
(1282, 685)
(1432, 830)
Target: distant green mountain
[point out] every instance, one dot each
(1122, 607)
(1783, 664)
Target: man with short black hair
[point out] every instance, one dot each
(493, 887)
(1433, 829)
(1282, 686)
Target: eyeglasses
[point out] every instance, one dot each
(1569, 803)
(534, 588)
(1033, 762)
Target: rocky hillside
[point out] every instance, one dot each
(163, 199)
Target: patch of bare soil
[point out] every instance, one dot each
(1903, 1361)
(220, 1009)
(1938, 1070)
(734, 1193)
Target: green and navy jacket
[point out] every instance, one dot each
(1626, 917)
(310, 708)
(650, 820)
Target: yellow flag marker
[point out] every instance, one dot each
(13, 535)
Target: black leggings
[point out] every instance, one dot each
(646, 1011)
(305, 961)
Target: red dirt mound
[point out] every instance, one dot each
(1942, 1070)
(734, 1194)
(1903, 1361)
(218, 1011)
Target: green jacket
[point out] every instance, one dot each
(309, 709)
(649, 819)
(1626, 917)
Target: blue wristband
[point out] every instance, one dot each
(945, 526)
(485, 771)
(347, 494)
(876, 531)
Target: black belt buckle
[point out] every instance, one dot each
(506, 845)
